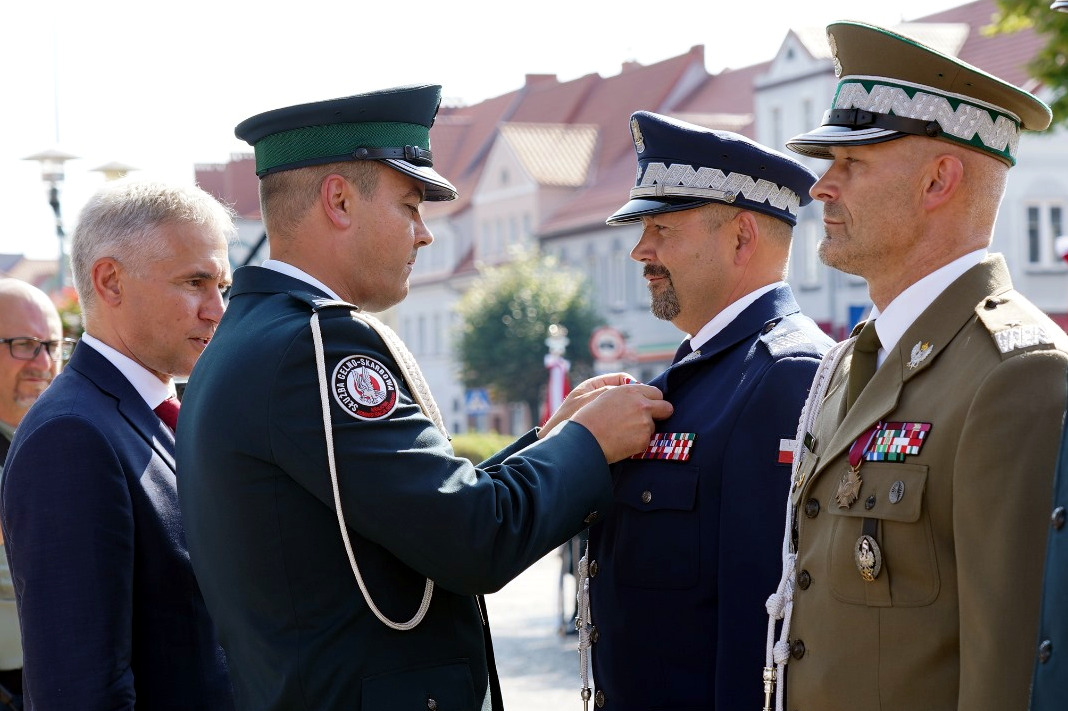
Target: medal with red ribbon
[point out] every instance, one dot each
(849, 486)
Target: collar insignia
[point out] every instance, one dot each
(920, 351)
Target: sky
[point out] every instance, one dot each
(160, 86)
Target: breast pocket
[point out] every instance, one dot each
(657, 541)
(446, 687)
(892, 495)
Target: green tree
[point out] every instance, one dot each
(1050, 64)
(506, 316)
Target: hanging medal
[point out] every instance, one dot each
(849, 486)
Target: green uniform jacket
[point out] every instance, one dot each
(264, 538)
(950, 621)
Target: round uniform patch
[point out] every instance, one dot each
(364, 388)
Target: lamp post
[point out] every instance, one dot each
(52, 173)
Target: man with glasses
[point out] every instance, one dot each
(32, 332)
(111, 613)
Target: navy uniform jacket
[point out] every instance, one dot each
(1049, 689)
(685, 558)
(112, 617)
(264, 537)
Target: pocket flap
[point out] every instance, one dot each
(655, 486)
(448, 685)
(889, 492)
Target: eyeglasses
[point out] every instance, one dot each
(27, 347)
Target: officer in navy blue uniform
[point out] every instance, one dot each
(341, 545)
(682, 562)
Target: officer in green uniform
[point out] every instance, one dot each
(914, 543)
(341, 546)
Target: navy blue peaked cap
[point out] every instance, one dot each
(682, 166)
(391, 125)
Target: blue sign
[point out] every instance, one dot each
(477, 401)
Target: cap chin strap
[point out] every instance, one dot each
(421, 394)
(859, 118)
(412, 154)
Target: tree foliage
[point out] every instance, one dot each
(1050, 64)
(506, 316)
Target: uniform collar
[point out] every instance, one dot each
(903, 311)
(289, 270)
(724, 317)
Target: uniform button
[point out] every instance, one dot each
(804, 580)
(591, 518)
(869, 503)
(812, 507)
(797, 649)
(647, 496)
(594, 568)
(598, 699)
(594, 634)
(1058, 518)
(1045, 651)
(431, 704)
(770, 326)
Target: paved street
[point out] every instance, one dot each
(539, 669)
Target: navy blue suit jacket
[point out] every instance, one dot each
(689, 550)
(112, 617)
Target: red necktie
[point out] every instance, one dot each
(168, 412)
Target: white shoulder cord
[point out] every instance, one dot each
(582, 622)
(780, 605)
(422, 395)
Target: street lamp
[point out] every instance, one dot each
(114, 170)
(52, 162)
(1061, 5)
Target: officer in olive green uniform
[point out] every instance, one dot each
(341, 545)
(918, 518)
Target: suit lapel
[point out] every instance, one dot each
(98, 370)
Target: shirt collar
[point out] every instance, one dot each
(281, 267)
(151, 389)
(721, 320)
(903, 311)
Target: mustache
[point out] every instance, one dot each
(655, 270)
(832, 211)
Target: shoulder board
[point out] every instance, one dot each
(791, 336)
(1017, 325)
(318, 302)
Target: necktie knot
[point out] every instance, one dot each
(684, 350)
(864, 361)
(168, 412)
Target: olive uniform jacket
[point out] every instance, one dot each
(1049, 690)
(686, 554)
(969, 408)
(255, 490)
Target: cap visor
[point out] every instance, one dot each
(816, 143)
(638, 208)
(437, 188)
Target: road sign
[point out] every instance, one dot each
(607, 343)
(477, 401)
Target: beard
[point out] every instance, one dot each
(665, 302)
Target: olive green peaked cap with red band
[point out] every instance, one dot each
(391, 125)
(892, 86)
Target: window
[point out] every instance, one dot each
(1045, 222)
(616, 277)
(808, 258)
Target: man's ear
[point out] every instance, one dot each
(107, 275)
(942, 181)
(336, 197)
(746, 236)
